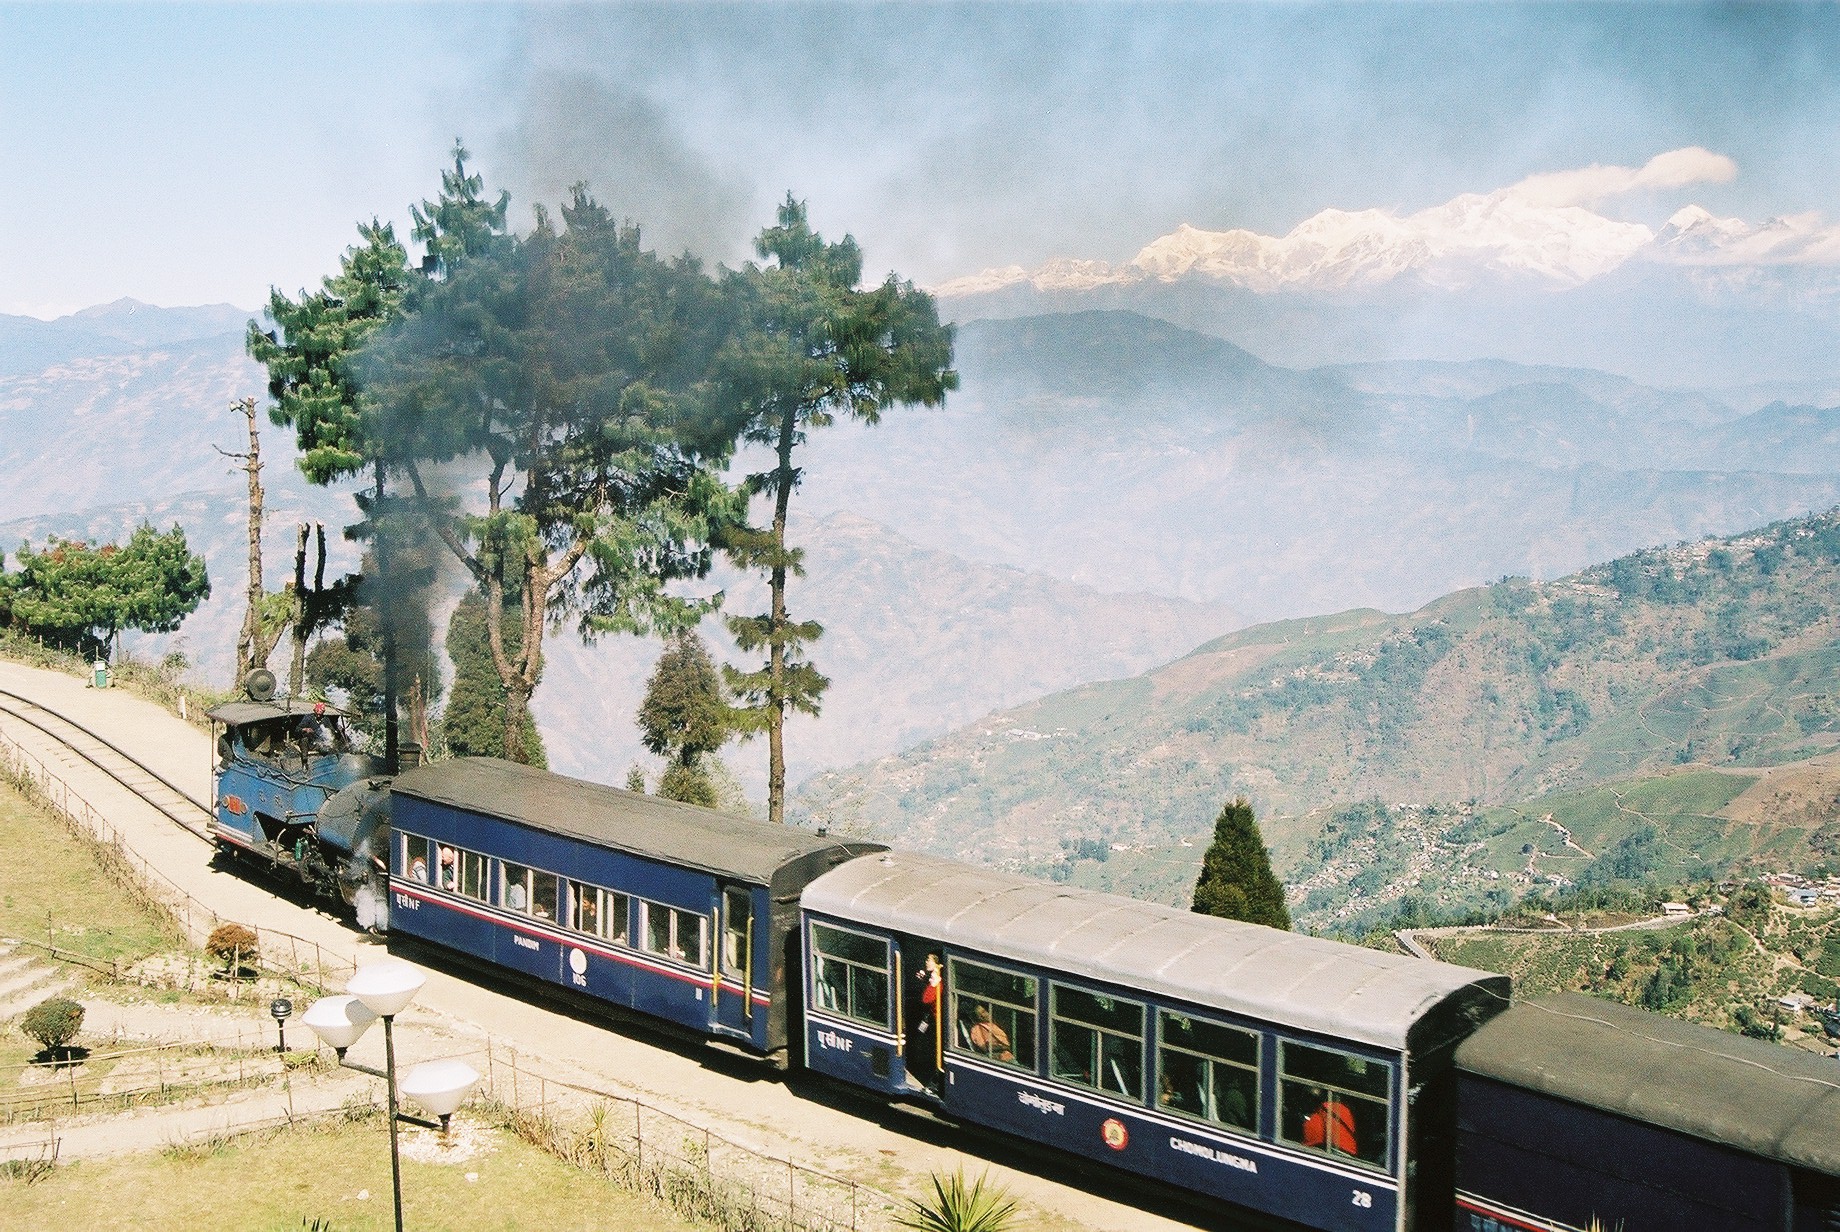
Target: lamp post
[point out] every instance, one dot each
(280, 1009)
(384, 990)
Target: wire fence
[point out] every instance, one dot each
(702, 1173)
(119, 1079)
(305, 961)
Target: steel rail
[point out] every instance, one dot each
(184, 821)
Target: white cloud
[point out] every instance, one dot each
(1586, 185)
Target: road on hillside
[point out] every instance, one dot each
(884, 1148)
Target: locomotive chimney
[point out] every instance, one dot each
(408, 755)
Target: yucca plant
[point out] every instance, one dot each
(957, 1207)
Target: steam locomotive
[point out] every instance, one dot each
(1324, 1085)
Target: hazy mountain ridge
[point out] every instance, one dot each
(1649, 323)
(29, 345)
(1280, 492)
(146, 424)
(1721, 653)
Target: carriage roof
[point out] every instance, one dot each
(1762, 1098)
(662, 830)
(1279, 977)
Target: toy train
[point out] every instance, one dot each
(1326, 1085)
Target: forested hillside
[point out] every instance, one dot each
(1386, 750)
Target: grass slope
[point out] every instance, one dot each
(336, 1171)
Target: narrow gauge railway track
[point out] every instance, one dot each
(172, 801)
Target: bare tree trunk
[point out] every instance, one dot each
(297, 664)
(387, 624)
(776, 638)
(250, 653)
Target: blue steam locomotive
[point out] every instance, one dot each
(1326, 1085)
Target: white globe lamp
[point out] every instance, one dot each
(339, 1021)
(440, 1086)
(386, 988)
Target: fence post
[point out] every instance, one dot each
(639, 1132)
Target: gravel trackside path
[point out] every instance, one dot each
(742, 1103)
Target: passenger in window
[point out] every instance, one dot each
(418, 869)
(450, 878)
(514, 896)
(1168, 1096)
(1331, 1126)
(987, 1037)
(1231, 1107)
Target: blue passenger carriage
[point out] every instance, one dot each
(1283, 1073)
(678, 912)
(1575, 1112)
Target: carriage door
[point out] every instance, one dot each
(733, 1008)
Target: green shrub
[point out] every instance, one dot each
(53, 1023)
(957, 1207)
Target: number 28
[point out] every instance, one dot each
(1363, 1199)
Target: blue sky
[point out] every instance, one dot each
(191, 154)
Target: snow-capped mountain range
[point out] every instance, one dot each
(1540, 232)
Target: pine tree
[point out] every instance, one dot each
(1236, 881)
(313, 359)
(811, 345)
(685, 718)
(81, 596)
(568, 365)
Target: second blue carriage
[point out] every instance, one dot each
(1286, 1074)
(666, 909)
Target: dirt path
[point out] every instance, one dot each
(744, 1103)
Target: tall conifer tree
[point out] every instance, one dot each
(811, 345)
(1236, 881)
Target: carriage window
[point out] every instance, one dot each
(473, 868)
(737, 926)
(597, 912)
(993, 1013)
(674, 933)
(543, 895)
(850, 974)
(1097, 1041)
(1208, 1070)
(417, 858)
(1334, 1102)
(514, 887)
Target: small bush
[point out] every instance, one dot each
(232, 945)
(958, 1207)
(53, 1023)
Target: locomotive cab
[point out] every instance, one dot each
(279, 764)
